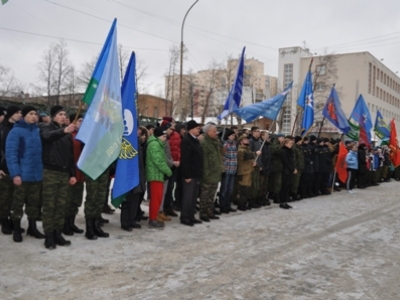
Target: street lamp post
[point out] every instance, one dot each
(181, 66)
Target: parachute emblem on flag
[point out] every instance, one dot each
(127, 150)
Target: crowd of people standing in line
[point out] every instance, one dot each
(183, 167)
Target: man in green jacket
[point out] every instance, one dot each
(213, 168)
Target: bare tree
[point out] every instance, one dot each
(171, 77)
(9, 85)
(141, 75)
(85, 72)
(54, 70)
(123, 58)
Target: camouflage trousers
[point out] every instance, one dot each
(55, 196)
(378, 174)
(75, 199)
(208, 191)
(96, 191)
(264, 181)
(29, 193)
(294, 188)
(255, 183)
(275, 183)
(6, 193)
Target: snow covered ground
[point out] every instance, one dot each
(342, 246)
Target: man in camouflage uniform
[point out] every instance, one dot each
(59, 171)
(299, 161)
(246, 166)
(96, 191)
(275, 182)
(212, 172)
(13, 115)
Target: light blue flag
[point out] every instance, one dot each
(381, 128)
(268, 108)
(127, 171)
(306, 95)
(235, 94)
(102, 127)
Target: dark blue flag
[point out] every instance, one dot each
(334, 113)
(127, 171)
(268, 108)
(235, 94)
(306, 101)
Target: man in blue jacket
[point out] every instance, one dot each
(24, 162)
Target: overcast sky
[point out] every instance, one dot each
(214, 29)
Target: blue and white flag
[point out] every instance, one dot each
(235, 94)
(102, 127)
(306, 101)
(268, 108)
(127, 171)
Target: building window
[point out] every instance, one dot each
(321, 70)
(320, 86)
(373, 81)
(369, 78)
(377, 74)
(373, 108)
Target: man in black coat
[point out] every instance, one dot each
(362, 167)
(192, 171)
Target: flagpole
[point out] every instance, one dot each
(333, 181)
(294, 124)
(320, 127)
(223, 132)
(78, 112)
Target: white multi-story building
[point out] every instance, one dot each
(352, 73)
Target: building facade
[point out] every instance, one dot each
(352, 73)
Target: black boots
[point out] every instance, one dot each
(32, 230)
(98, 231)
(17, 237)
(49, 241)
(67, 230)
(73, 226)
(90, 234)
(59, 239)
(5, 226)
(69, 226)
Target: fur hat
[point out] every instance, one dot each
(55, 110)
(242, 137)
(26, 110)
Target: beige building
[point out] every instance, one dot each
(204, 93)
(353, 74)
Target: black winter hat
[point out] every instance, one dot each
(228, 133)
(191, 124)
(73, 116)
(297, 139)
(159, 131)
(12, 109)
(319, 141)
(55, 110)
(312, 138)
(26, 110)
(305, 139)
(2, 111)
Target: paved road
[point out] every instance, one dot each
(342, 246)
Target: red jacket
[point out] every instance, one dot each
(80, 177)
(175, 145)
